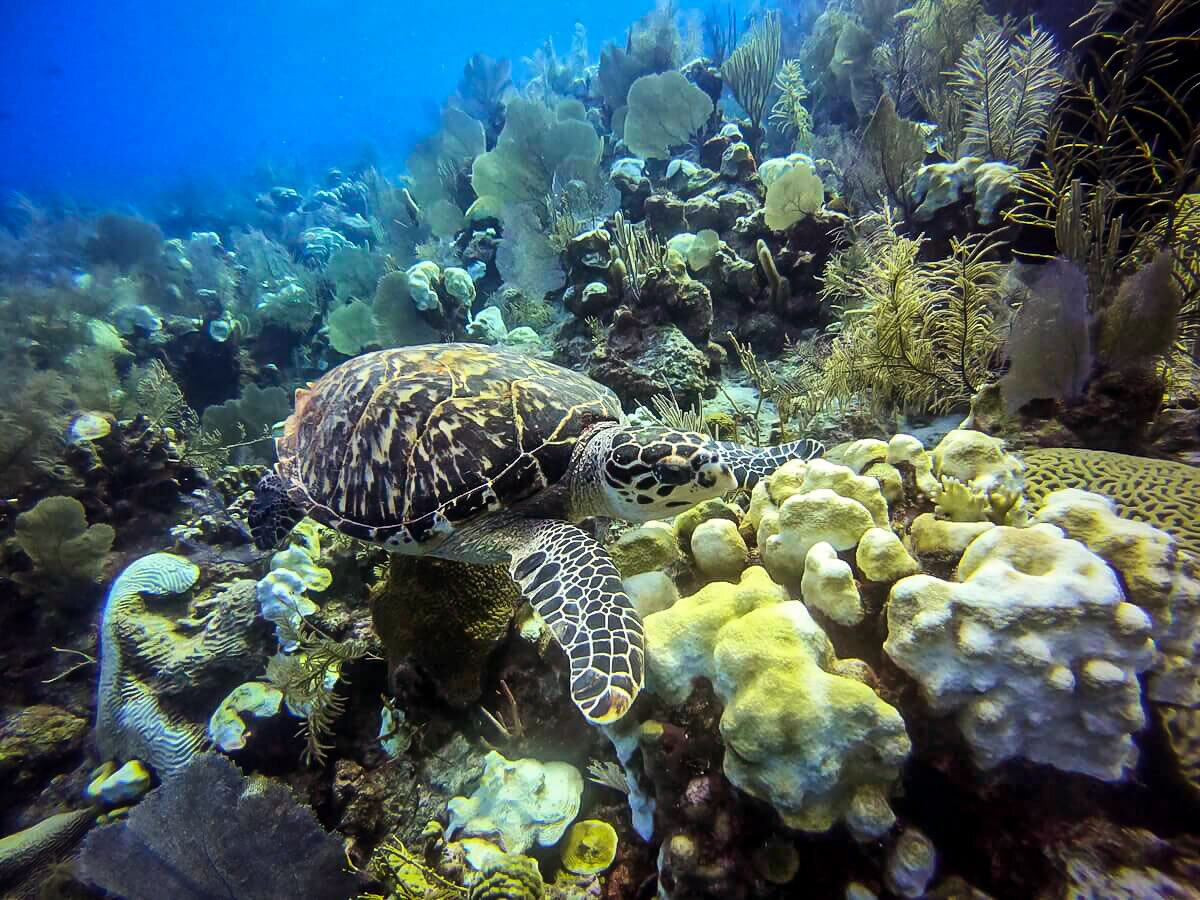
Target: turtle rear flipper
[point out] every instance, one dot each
(574, 586)
(273, 514)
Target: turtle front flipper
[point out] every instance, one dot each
(273, 513)
(749, 464)
(574, 586)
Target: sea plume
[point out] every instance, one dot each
(1008, 84)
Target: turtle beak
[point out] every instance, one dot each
(717, 477)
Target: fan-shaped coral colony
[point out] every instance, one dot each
(882, 319)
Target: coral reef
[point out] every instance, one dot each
(1035, 648)
(786, 702)
(158, 668)
(886, 670)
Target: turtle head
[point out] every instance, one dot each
(653, 473)
(273, 514)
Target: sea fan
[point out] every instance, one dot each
(1008, 85)
(213, 832)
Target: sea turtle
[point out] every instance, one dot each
(466, 452)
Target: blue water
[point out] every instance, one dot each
(122, 103)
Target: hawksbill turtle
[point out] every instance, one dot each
(469, 453)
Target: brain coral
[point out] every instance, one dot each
(445, 615)
(1165, 494)
(161, 673)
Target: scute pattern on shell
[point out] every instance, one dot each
(402, 437)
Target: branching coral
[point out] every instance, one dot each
(789, 114)
(892, 147)
(1007, 87)
(750, 70)
(637, 251)
(307, 679)
(34, 417)
(916, 58)
(915, 334)
(1121, 154)
(791, 395)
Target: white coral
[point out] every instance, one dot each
(1035, 648)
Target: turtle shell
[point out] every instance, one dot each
(411, 439)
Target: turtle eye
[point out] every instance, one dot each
(673, 470)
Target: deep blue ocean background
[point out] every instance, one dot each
(139, 105)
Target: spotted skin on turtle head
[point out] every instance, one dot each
(749, 464)
(273, 513)
(651, 473)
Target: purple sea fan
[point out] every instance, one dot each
(212, 832)
(1049, 344)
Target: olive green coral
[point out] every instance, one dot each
(445, 615)
(800, 732)
(55, 534)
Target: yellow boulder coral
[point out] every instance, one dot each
(967, 455)
(941, 539)
(881, 556)
(1034, 648)
(828, 585)
(649, 547)
(589, 847)
(817, 746)
(806, 502)
(718, 549)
